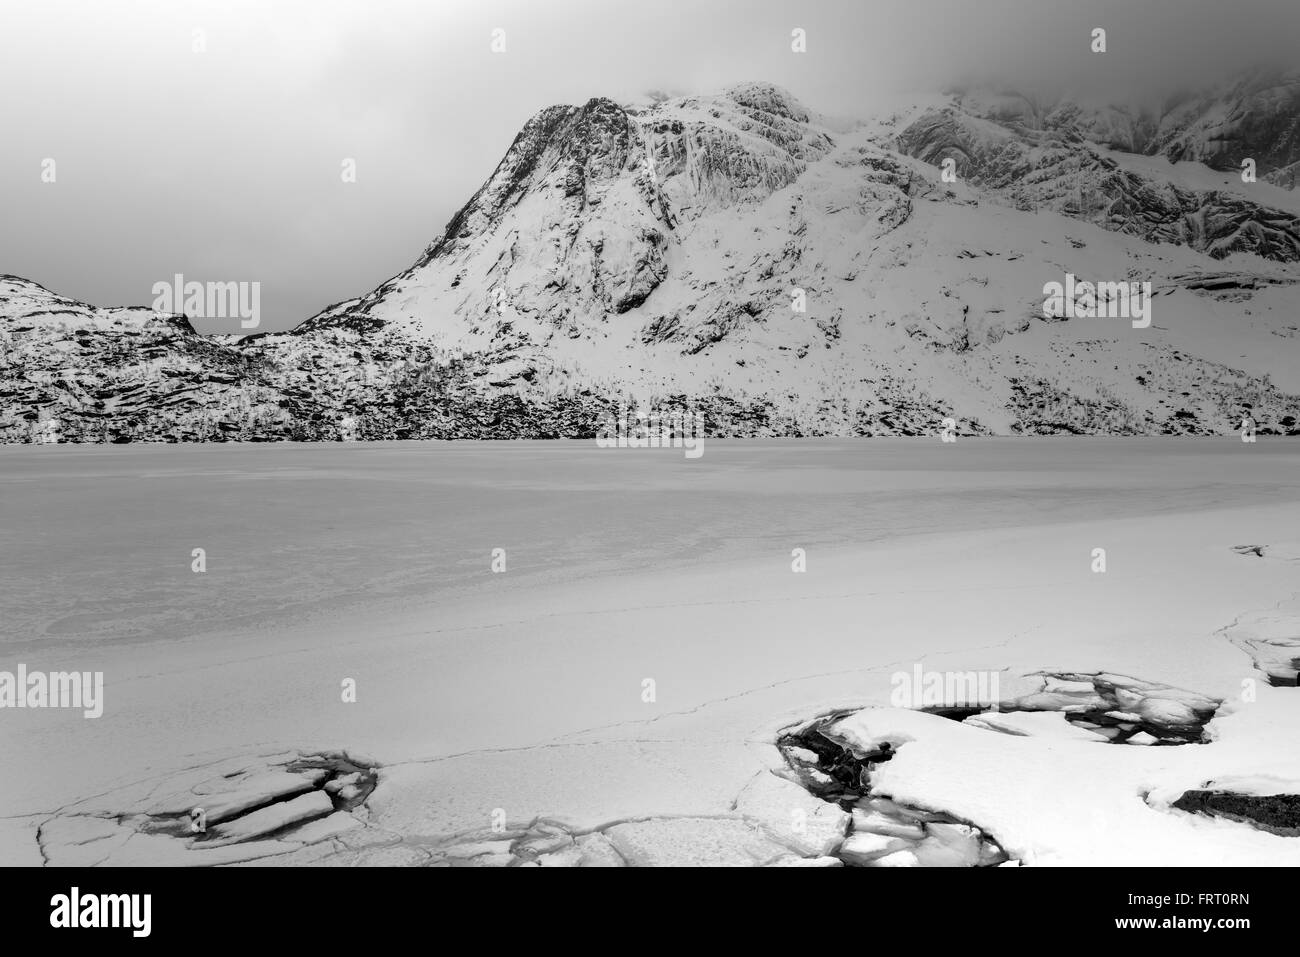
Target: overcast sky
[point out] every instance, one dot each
(225, 164)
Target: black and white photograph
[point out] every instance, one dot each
(584, 433)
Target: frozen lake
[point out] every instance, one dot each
(96, 542)
(523, 693)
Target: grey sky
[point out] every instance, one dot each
(225, 165)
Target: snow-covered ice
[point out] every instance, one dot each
(509, 709)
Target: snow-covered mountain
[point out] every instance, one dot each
(787, 273)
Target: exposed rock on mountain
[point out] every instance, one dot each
(1257, 118)
(73, 373)
(1056, 168)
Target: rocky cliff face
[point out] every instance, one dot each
(1051, 161)
(570, 227)
(579, 220)
(1258, 117)
(741, 255)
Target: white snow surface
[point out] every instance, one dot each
(522, 693)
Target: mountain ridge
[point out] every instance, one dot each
(739, 254)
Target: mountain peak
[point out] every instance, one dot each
(579, 216)
(769, 98)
